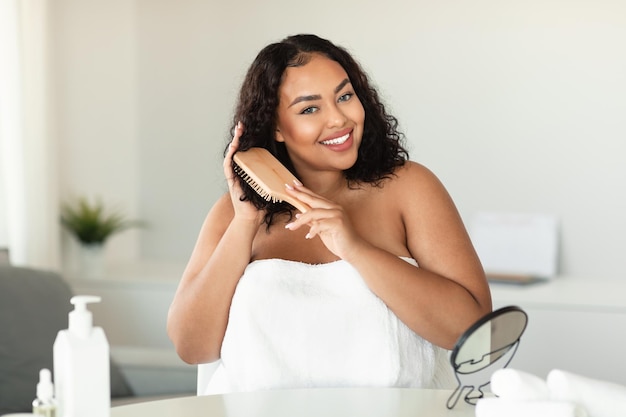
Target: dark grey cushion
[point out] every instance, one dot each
(34, 305)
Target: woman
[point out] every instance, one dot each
(365, 289)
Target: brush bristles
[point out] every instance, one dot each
(256, 187)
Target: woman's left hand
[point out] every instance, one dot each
(326, 219)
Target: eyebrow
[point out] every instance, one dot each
(317, 96)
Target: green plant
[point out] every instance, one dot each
(90, 223)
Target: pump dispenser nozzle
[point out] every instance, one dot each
(45, 404)
(80, 319)
(45, 388)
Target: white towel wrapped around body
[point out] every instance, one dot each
(600, 398)
(296, 325)
(513, 384)
(500, 407)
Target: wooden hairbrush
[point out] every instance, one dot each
(267, 176)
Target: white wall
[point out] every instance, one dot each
(515, 105)
(94, 57)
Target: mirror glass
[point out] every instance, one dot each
(488, 345)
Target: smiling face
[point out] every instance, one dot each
(319, 117)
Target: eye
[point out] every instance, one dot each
(346, 97)
(309, 110)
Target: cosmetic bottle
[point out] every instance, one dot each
(81, 365)
(45, 403)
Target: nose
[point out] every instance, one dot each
(336, 117)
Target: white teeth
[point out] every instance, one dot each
(337, 141)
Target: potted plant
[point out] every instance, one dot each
(92, 225)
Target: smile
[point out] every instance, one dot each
(336, 141)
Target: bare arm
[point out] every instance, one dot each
(198, 314)
(448, 291)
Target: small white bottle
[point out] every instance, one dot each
(45, 404)
(81, 365)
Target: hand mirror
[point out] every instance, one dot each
(488, 345)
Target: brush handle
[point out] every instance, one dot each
(303, 207)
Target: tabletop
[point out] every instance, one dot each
(327, 402)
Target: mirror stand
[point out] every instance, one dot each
(488, 345)
(474, 383)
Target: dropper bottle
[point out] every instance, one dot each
(45, 404)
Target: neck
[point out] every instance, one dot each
(326, 184)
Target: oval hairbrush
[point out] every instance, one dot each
(267, 176)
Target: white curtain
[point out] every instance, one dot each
(28, 176)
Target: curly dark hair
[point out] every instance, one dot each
(381, 150)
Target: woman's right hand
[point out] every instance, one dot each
(243, 209)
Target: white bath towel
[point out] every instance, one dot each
(499, 407)
(296, 325)
(513, 384)
(600, 398)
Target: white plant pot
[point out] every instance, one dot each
(92, 261)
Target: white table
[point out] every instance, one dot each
(337, 402)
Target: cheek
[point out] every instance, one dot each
(300, 130)
(362, 115)
(358, 114)
(357, 109)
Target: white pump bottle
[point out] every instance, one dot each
(81, 365)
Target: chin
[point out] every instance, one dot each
(352, 162)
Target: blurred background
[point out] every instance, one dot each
(516, 106)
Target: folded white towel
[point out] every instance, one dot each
(600, 398)
(499, 407)
(513, 384)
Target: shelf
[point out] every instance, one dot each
(564, 294)
(144, 274)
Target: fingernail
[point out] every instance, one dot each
(288, 225)
(289, 187)
(297, 182)
(308, 236)
(298, 215)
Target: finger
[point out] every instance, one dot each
(234, 143)
(301, 220)
(312, 218)
(232, 148)
(313, 231)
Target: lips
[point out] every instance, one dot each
(337, 141)
(338, 138)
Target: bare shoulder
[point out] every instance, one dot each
(215, 224)
(423, 202)
(414, 182)
(414, 171)
(223, 206)
(435, 234)
(220, 214)
(213, 228)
